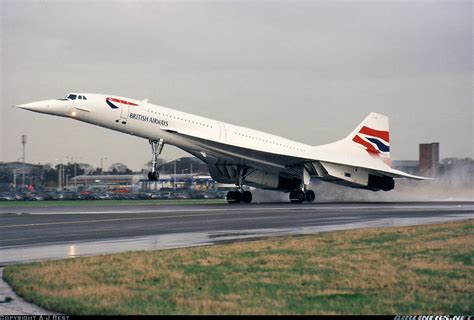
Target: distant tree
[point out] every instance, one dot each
(183, 165)
(49, 176)
(119, 168)
(86, 168)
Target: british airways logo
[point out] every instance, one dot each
(153, 120)
(374, 141)
(110, 102)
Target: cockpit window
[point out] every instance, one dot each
(73, 97)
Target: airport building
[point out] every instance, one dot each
(429, 159)
(133, 183)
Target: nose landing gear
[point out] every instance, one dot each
(156, 148)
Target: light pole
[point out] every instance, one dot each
(174, 179)
(59, 177)
(102, 166)
(75, 171)
(14, 180)
(23, 142)
(60, 172)
(75, 176)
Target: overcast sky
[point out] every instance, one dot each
(308, 71)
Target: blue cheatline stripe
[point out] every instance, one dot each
(382, 147)
(113, 106)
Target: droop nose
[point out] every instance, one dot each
(34, 106)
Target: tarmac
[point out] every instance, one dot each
(40, 233)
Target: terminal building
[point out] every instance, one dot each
(134, 183)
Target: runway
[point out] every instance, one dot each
(38, 233)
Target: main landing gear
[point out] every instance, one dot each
(238, 196)
(298, 196)
(156, 147)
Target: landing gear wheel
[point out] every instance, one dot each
(234, 197)
(237, 196)
(153, 175)
(297, 196)
(310, 196)
(230, 197)
(247, 197)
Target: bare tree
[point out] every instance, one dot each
(119, 168)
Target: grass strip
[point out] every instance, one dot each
(405, 270)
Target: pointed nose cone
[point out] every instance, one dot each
(33, 106)
(53, 107)
(38, 106)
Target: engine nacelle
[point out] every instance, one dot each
(262, 179)
(269, 180)
(255, 178)
(380, 183)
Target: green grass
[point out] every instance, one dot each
(410, 270)
(74, 203)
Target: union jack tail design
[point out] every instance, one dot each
(375, 141)
(374, 136)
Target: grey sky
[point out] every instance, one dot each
(309, 71)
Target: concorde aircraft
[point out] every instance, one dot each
(239, 155)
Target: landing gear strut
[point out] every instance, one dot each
(156, 147)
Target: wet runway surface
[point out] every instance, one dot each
(37, 233)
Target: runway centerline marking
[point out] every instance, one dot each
(291, 208)
(222, 212)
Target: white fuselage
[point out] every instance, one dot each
(233, 153)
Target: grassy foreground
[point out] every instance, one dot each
(413, 270)
(80, 203)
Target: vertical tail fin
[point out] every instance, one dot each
(373, 135)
